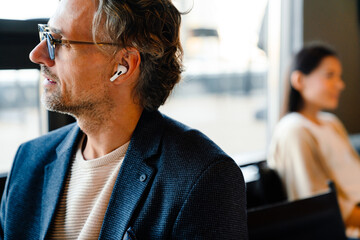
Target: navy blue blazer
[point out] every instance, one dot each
(174, 183)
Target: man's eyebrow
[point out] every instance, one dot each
(55, 30)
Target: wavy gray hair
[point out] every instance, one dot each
(152, 27)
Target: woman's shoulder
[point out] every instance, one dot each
(293, 127)
(295, 121)
(293, 131)
(332, 120)
(292, 121)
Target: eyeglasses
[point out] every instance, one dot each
(51, 42)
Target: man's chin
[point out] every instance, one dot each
(60, 110)
(53, 105)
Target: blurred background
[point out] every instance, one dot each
(236, 57)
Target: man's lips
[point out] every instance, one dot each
(48, 80)
(51, 81)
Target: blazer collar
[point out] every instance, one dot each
(132, 181)
(135, 176)
(55, 175)
(147, 136)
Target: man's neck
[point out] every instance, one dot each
(115, 130)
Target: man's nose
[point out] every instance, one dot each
(40, 55)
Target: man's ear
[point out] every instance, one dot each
(297, 80)
(129, 58)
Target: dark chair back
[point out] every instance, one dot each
(313, 218)
(267, 189)
(3, 177)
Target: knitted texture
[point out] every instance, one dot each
(86, 195)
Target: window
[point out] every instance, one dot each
(28, 9)
(19, 111)
(230, 77)
(19, 89)
(223, 92)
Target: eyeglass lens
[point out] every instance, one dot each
(51, 48)
(49, 43)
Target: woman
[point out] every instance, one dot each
(309, 146)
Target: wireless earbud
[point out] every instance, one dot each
(120, 70)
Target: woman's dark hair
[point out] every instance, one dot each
(305, 61)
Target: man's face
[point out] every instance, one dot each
(77, 80)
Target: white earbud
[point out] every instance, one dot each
(120, 70)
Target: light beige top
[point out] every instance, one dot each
(87, 192)
(307, 155)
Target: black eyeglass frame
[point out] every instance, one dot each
(51, 42)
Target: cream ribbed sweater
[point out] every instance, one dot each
(86, 195)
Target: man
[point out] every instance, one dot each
(123, 171)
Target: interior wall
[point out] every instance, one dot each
(336, 22)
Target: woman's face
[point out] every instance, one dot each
(322, 87)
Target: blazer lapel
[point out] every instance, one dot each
(54, 178)
(135, 176)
